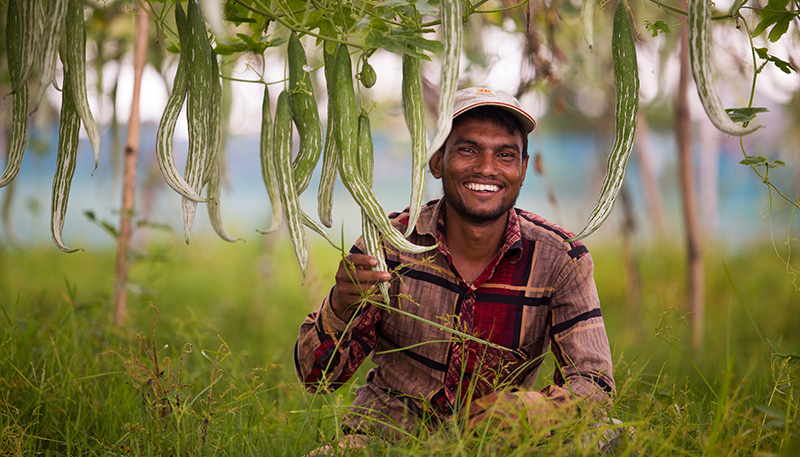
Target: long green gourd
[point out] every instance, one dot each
(216, 155)
(54, 19)
(345, 131)
(199, 91)
(305, 115)
(700, 62)
(19, 102)
(330, 156)
(172, 110)
(268, 172)
(452, 38)
(214, 213)
(319, 229)
(75, 33)
(68, 131)
(283, 166)
(214, 115)
(370, 234)
(414, 110)
(31, 35)
(626, 83)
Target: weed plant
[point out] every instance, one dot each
(203, 366)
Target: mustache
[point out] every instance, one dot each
(484, 180)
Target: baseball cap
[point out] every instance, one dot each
(473, 97)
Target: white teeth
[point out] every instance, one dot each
(482, 187)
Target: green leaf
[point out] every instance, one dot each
(402, 41)
(771, 411)
(238, 14)
(228, 49)
(426, 8)
(246, 43)
(318, 19)
(792, 356)
(777, 424)
(776, 15)
(657, 27)
(144, 223)
(744, 114)
(753, 160)
(784, 66)
(241, 20)
(102, 224)
(395, 3)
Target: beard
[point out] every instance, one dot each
(470, 214)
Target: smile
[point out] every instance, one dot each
(482, 187)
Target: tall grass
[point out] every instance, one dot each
(204, 364)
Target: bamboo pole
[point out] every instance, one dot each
(131, 159)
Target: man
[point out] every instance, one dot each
(477, 312)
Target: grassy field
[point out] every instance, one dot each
(203, 365)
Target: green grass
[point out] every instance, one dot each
(203, 366)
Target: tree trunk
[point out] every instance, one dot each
(130, 162)
(683, 131)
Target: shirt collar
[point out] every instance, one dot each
(432, 223)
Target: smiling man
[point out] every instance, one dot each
(479, 311)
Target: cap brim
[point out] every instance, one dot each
(528, 123)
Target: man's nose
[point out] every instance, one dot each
(485, 164)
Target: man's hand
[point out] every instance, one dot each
(505, 409)
(354, 279)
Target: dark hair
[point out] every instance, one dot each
(498, 116)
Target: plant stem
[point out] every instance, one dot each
(765, 179)
(756, 69)
(675, 9)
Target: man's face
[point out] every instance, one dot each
(482, 170)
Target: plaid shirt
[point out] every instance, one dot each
(538, 291)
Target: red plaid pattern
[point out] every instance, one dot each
(538, 292)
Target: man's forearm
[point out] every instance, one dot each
(329, 350)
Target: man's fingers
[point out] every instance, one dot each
(361, 261)
(357, 268)
(354, 279)
(495, 401)
(356, 283)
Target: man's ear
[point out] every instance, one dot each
(435, 164)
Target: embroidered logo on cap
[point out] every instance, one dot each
(485, 92)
